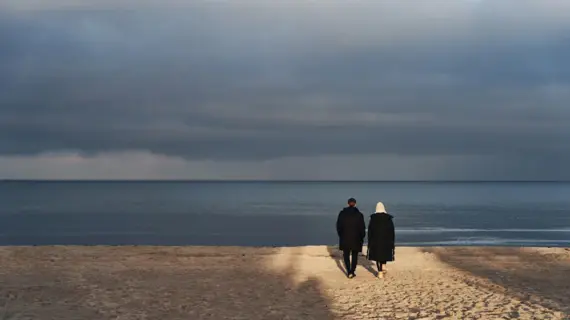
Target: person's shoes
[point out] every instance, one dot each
(380, 275)
(351, 275)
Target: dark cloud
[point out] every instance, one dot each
(258, 82)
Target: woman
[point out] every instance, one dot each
(381, 238)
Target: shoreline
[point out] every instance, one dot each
(4, 246)
(212, 282)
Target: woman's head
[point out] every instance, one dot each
(380, 208)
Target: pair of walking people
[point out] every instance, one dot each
(352, 231)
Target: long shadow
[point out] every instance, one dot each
(153, 283)
(336, 255)
(524, 274)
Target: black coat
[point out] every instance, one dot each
(350, 229)
(381, 237)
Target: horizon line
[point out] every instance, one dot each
(280, 180)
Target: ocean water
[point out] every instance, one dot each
(280, 213)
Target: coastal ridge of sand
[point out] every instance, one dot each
(145, 282)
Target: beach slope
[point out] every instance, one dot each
(127, 282)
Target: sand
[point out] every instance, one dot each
(281, 283)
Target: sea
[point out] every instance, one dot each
(279, 213)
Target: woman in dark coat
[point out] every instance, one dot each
(381, 238)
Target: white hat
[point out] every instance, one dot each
(380, 208)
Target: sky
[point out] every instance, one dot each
(294, 90)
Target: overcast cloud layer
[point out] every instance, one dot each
(443, 89)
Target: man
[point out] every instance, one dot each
(351, 232)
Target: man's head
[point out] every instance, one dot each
(351, 202)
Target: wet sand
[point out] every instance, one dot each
(129, 282)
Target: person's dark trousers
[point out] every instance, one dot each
(379, 265)
(350, 265)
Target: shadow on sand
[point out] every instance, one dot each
(153, 283)
(336, 255)
(523, 274)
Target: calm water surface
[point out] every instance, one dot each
(279, 213)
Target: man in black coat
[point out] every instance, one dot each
(351, 232)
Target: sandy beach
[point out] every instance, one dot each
(281, 283)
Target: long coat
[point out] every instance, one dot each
(350, 229)
(381, 237)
